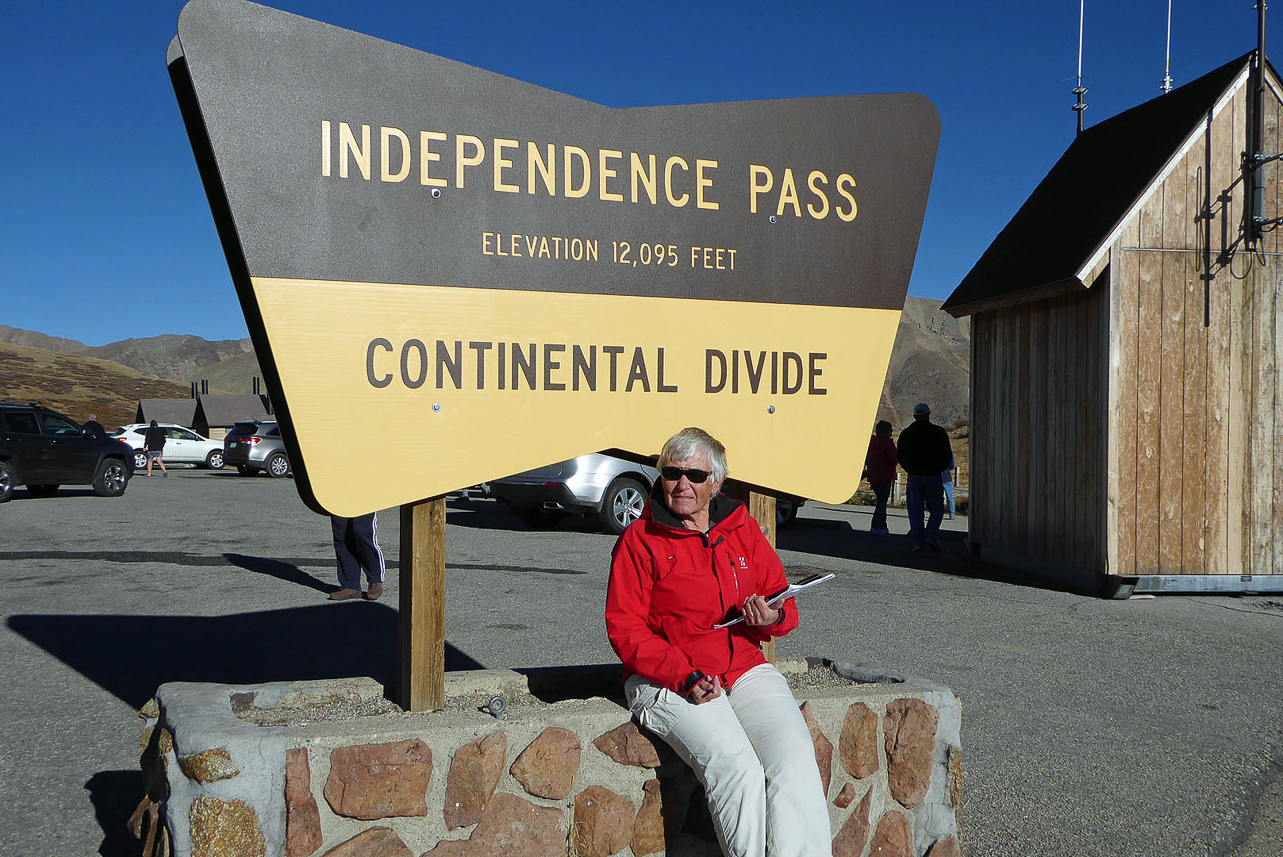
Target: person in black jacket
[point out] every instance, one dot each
(924, 452)
(154, 443)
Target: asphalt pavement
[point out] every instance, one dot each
(1144, 727)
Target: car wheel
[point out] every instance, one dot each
(539, 517)
(111, 478)
(785, 513)
(623, 503)
(277, 465)
(6, 481)
(140, 460)
(245, 470)
(214, 461)
(42, 490)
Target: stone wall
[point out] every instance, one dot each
(551, 776)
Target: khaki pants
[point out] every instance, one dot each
(752, 751)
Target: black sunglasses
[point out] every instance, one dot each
(673, 474)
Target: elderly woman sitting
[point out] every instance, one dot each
(692, 560)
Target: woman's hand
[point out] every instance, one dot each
(758, 612)
(706, 689)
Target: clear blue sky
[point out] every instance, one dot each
(107, 234)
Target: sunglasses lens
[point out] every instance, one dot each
(673, 474)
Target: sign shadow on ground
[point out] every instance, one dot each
(130, 656)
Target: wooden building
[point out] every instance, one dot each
(177, 411)
(215, 415)
(1127, 355)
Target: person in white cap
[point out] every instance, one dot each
(924, 452)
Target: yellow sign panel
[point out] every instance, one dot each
(486, 276)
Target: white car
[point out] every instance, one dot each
(182, 446)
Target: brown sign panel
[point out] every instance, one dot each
(464, 275)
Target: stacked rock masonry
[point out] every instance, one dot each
(575, 776)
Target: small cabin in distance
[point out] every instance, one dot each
(1127, 354)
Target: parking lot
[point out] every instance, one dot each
(1090, 727)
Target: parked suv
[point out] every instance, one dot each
(182, 445)
(254, 446)
(42, 450)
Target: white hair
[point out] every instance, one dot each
(684, 445)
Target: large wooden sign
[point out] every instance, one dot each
(451, 276)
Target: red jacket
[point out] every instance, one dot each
(669, 586)
(880, 460)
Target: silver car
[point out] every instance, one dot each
(612, 489)
(256, 445)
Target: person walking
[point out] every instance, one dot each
(356, 547)
(154, 443)
(924, 452)
(879, 469)
(946, 477)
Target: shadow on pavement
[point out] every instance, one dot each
(281, 570)
(838, 539)
(115, 794)
(492, 515)
(130, 656)
(483, 514)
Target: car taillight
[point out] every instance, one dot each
(252, 439)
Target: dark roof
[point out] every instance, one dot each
(177, 411)
(229, 410)
(1089, 191)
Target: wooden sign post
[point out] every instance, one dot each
(421, 653)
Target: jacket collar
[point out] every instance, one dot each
(722, 510)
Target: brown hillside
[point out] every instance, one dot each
(930, 363)
(32, 339)
(79, 386)
(229, 365)
(178, 358)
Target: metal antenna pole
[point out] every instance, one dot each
(1256, 141)
(1166, 85)
(1080, 90)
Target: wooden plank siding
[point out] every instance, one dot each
(1223, 545)
(1040, 425)
(1135, 427)
(1124, 372)
(1148, 381)
(1171, 352)
(1194, 394)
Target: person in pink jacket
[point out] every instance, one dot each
(879, 469)
(692, 561)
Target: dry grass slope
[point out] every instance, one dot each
(79, 386)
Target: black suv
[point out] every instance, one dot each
(42, 450)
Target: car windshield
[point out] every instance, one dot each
(56, 426)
